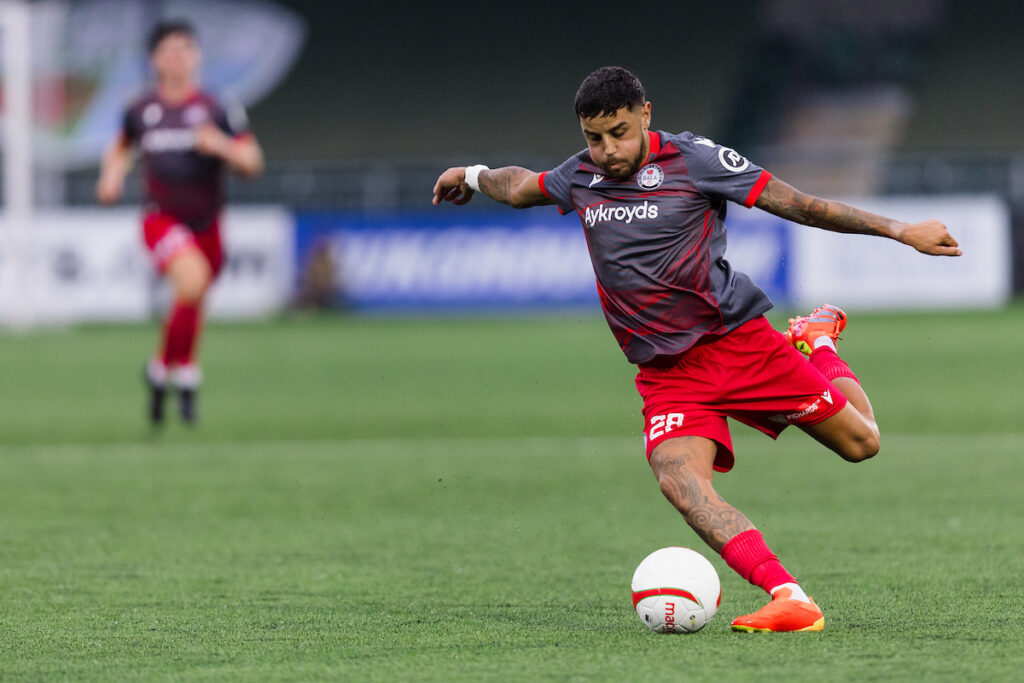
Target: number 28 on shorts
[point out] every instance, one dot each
(663, 424)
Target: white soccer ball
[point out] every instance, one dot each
(676, 590)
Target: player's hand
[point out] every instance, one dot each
(211, 140)
(451, 187)
(930, 237)
(109, 188)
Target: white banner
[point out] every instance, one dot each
(259, 275)
(91, 265)
(868, 272)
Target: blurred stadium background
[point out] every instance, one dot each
(459, 415)
(910, 103)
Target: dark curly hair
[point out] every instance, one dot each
(166, 28)
(607, 90)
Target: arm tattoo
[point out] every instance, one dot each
(788, 202)
(714, 520)
(497, 183)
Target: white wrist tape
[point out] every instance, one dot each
(473, 176)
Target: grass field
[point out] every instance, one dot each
(371, 499)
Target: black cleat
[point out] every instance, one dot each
(187, 406)
(157, 396)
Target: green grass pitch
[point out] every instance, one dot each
(382, 499)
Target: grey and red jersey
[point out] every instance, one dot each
(179, 180)
(657, 241)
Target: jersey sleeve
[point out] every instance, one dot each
(719, 171)
(556, 184)
(232, 119)
(130, 128)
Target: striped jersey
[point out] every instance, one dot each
(178, 179)
(657, 241)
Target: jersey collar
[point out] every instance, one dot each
(191, 97)
(655, 140)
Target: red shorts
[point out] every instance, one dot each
(751, 374)
(166, 237)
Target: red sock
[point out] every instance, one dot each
(831, 365)
(180, 332)
(752, 559)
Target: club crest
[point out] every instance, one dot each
(152, 114)
(650, 176)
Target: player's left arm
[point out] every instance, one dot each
(242, 153)
(781, 199)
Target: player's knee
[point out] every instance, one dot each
(679, 488)
(670, 490)
(191, 291)
(666, 480)
(190, 278)
(861, 446)
(683, 468)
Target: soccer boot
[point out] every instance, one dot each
(828, 320)
(157, 395)
(187, 406)
(782, 614)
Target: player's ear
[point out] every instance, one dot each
(645, 115)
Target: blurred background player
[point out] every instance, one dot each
(653, 208)
(186, 138)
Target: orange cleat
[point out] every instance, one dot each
(782, 614)
(827, 320)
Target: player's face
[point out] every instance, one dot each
(176, 57)
(618, 143)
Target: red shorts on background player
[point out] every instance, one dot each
(653, 205)
(185, 138)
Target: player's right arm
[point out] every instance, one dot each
(518, 187)
(117, 161)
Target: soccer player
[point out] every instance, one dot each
(186, 139)
(653, 206)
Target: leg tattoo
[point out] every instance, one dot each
(704, 510)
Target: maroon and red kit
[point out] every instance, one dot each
(184, 189)
(693, 324)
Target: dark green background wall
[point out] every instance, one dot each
(421, 79)
(416, 79)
